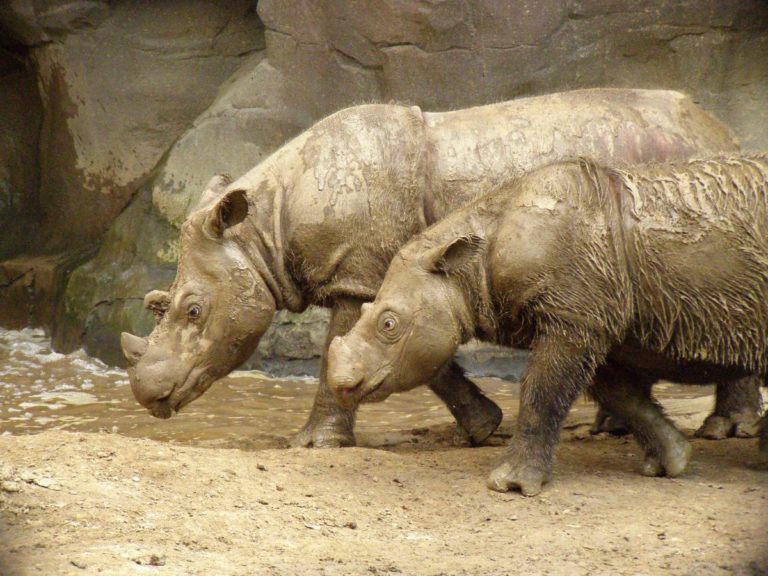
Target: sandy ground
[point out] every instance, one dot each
(414, 504)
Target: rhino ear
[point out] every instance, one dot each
(157, 302)
(213, 190)
(219, 183)
(453, 255)
(229, 211)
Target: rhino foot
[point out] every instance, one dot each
(481, 421)
(717, 427)
(652, 466)
(323, 435)
(513, 475)
(672, 462)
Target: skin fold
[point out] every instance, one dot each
(613, 278)
(319, 220)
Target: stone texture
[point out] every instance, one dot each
(158, 96)
(119, 84)
(20, 116)
(293, 343)
(31, 287)
(106, 294)
(30, 22)
(116, 96)
(246, 122)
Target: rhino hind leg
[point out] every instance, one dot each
(628, 396)
(736, 415)
(476, 415)
(737, 410)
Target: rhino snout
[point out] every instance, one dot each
(345, 375)
(133, 347)
(153, 378)
(152, 391)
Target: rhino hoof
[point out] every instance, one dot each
(482, 422)
(508, 476)
(652, 467)
(314, 438)
(718, 427)
(671, 463)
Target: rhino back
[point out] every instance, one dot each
(479, 149)
(355, 198)
(361, 182)
(698, 253)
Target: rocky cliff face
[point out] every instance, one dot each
(113, 115)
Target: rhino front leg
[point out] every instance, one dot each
(477, 415)
(737, 410)
(560, 368)
(330, 425)
(627, 395)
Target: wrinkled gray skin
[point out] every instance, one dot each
(612, 278)
(319, 220)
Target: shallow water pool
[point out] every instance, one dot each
(41, 389)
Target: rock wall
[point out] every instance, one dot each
(121, 111)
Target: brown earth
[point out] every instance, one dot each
(414, 503)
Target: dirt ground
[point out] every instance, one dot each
(414, 503)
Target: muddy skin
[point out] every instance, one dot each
(614, 278)
(320, 219)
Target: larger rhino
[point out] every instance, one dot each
(320, 219)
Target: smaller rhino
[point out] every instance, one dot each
(613, 278)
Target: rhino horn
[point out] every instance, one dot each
(133, 347)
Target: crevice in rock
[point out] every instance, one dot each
(108, 301)
(349, 60)
(387, 46)
(15, 279)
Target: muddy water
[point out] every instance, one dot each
(42, 389)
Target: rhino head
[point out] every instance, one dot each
(214, 315)
(412, 329)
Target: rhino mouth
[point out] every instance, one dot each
(368, 391)
(348, 394)
(195, 385)
(161, 408)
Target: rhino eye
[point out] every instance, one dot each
(194, 311)
(389, 326)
